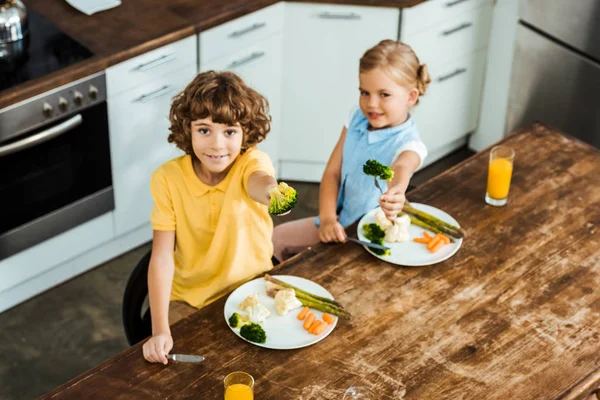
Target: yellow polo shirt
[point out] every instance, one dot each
(222, 236)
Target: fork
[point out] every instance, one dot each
(381, 191)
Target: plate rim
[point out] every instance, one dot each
(415, 205)
(263, 345)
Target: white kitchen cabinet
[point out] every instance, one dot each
(138, 124)
(450, 108)
(322, 48)
(259, 65)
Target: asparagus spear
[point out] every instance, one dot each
(300, 291)
(435, 222)
(328, 308)
(424, 225)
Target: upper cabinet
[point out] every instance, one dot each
(451, 37)
(322, 48)
(140, 94)
(251, 46)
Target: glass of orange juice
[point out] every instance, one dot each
(499, 175)
(239, 386)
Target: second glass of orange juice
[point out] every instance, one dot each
(499, 175)
(239, 386)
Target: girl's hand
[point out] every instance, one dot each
(392, 202)
(157, 347)
(331, 231)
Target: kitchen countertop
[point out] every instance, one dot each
(512, 315)
(138, 26)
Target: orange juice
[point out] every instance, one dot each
(239, 391)
(499, 174)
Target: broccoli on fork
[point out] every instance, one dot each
(283, 198)
(378, 170)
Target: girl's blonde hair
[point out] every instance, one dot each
(400, 62)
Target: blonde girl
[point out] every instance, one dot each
(391, 81)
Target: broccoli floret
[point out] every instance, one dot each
(373, 232)
(254, 333)
(237, 321)
(378, 170)
(380, 252)
(283, 198)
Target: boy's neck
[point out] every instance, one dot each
(206, 176)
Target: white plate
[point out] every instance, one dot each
(283, 332)
(410, 253)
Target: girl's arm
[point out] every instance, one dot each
(405, 165)
(330, 229)
(160, 280)
(259, 184)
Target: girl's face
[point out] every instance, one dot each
(216, 146)
(384, 102)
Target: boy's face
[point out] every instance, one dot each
(216, 145)
(384, 102)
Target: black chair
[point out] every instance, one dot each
(137, 321)
(136, 315)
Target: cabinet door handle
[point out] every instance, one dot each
(328, 15)
(455, 2)
(42, 137)
(154, 63)
(152, 95)
(452, 74)
(246, 60)
(249, 29)
(462, 26)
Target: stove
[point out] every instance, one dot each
(47, 50)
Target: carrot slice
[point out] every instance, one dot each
(309, 320)
(328, 318)
(314, 325)
(320, 329)
(303, 313)
(445, 238)
(427, 235)
(421, 240)
(437, 246)
(432, 243)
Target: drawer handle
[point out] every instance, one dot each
(328, 15)
(455, 2)
(452, 74)
(249, 29)
(154, 63)
(152, 95)
(458, 28)
(250, 58)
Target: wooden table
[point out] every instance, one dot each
(513, 315)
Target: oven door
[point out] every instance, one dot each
(54, 178)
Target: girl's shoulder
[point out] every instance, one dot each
(355, 116)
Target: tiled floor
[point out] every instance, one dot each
(67, 330)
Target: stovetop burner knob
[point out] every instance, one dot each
(48, 110)
(63, 104)
(78, 98)
(93, 92)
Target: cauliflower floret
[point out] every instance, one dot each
(285, 300)
(403, 220)
(383, 221)
(397, 233)
(256, 312)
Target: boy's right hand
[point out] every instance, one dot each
(158, 347)
(331, 231)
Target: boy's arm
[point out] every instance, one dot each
(160, 279)
(330, 182)
(259, 184)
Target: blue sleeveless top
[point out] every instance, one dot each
(357, 194)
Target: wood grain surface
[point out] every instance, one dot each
(138, 26)
(513, 315)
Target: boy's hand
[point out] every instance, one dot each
(157, 347)
(392, 201)
(331, 231)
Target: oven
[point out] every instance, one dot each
(55, 167)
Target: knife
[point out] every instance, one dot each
(185, 358)
(368, 244)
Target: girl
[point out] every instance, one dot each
(210, 219)
(381, 128)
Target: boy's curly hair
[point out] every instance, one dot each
(225, 98)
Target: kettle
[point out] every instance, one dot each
(14, 29)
